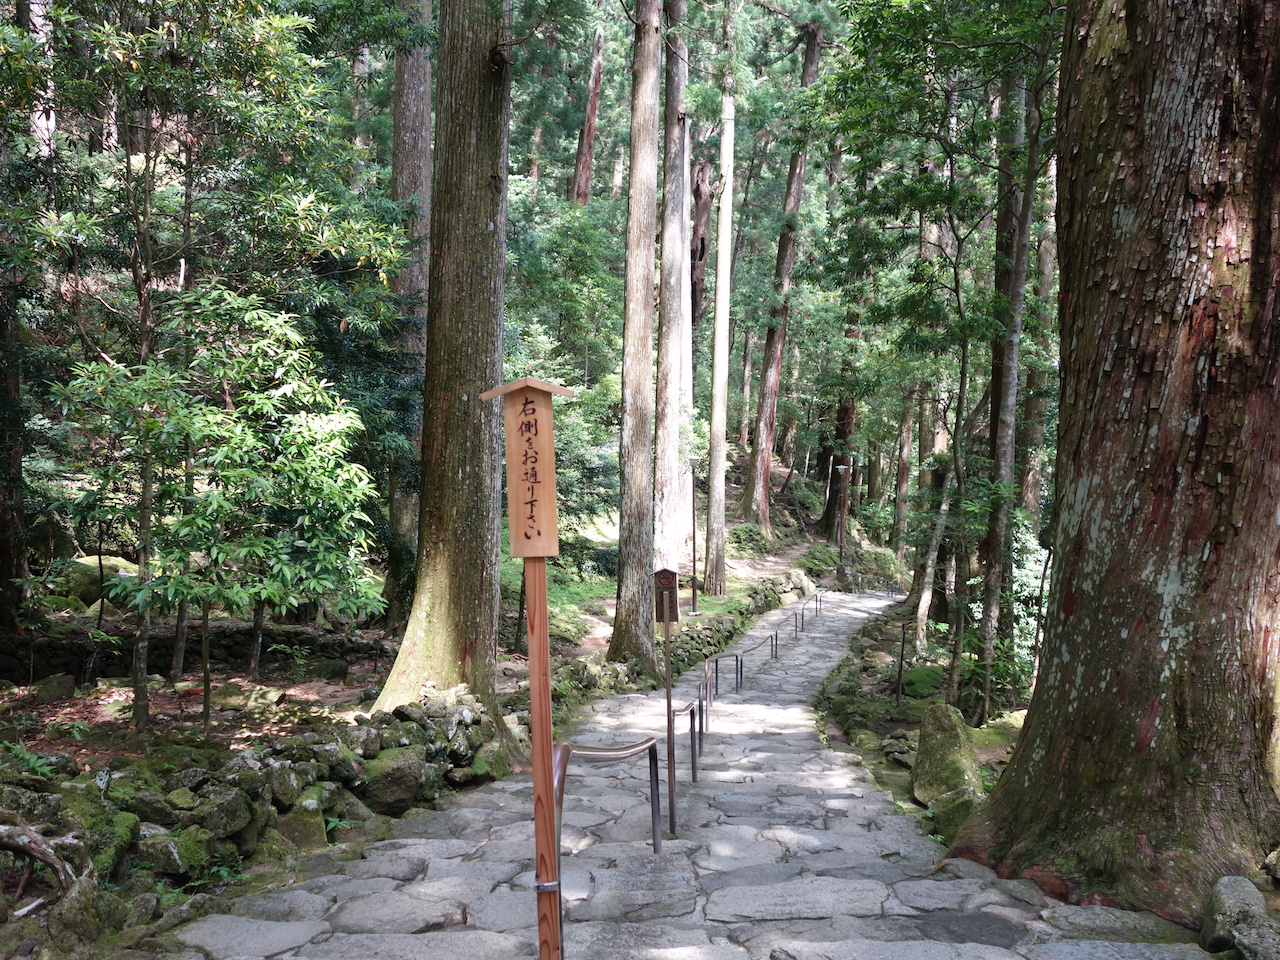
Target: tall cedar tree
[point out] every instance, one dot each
(672, 490)
(580, 183)
(715, 582)
(1147, 765)
(754, 506)
(633, 625)
(453, 624)
(410, 185)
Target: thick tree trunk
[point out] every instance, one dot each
(1005, 412)
(700, 245)
(842, 456)
(929, 569)
(754, 505)
(13, 541)
(255, 644)
(633, 623)
(411, 186)
(744, 422)
(142, 640)
(875, 475)
(43, 119)
(714, 582)
(1147, 765)
(1031, 424)
(902, 490)
(580, 185)
(1012, 133)
(672, 490)
(452, 632)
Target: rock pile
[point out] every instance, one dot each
(189, 816)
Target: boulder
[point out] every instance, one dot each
(364, 741)
(391, 780)
(304, 824)
(58, 686)
(84, 914)
(1232, 901)
(326, 668)
(186, 852)
(103, 608)
(182, 799)
(951, 810)
(84, 580)
(151, 806)
(223, 810)
(56, 604)
(32, 807)
(945, 760)
(923, 681)
(1258, 938)
(285, 784)
(112, 831)
(490, 763)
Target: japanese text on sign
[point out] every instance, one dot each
(527, 432)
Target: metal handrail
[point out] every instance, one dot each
(560, 755)
(816, 597)
(797, 616)
(737, 673)
(691, 709)
(562, 752)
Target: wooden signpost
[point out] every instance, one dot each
(665, 585)
(531, 520)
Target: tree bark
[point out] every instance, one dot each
(633, 623)
(580, 185)
(754, 506)
(1147, 765)
(13, 541)
(875, 475)
(1005, 412)
(700, 244)
(841, 456)
(142, 639)
(714, 579)
(411, 186)
(898, 536)
(672, 491)
(1031, 424)
(744, 422)
(452, 632)
(929, 569)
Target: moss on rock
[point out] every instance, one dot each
(945, 760)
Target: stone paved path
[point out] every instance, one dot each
(786, 850)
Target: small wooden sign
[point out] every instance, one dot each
(531, 465)
(665, 585)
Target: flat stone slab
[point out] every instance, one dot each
(801, 898)
(645, 941)
(898, 950)
(223, 936)
(447, 945)
(1108, 923)
(978, 927)
(397, 911)
(1110, 950)
(943, 894)
(505, 911)
(283, 906)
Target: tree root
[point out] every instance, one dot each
(29, 842)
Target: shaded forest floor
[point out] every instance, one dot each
(94, 724)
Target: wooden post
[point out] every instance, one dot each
(665, 584)
(531, 521)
